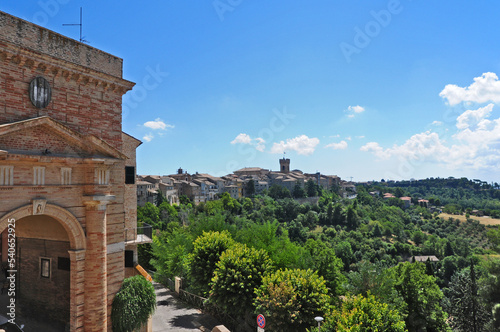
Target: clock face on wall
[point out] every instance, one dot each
(40, 92)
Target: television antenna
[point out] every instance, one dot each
(82, 40)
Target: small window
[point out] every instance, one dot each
(129, 258)
(6, 175)
(129, 175)
(63, 263)
(45, 267)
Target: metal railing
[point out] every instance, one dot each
(142, 233)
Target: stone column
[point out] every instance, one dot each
(95, 316)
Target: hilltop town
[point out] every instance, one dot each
(202, 187)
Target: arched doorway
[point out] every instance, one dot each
(50, 256)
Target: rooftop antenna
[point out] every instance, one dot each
(82, 40)
(351, 177)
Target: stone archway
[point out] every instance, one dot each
(77, 241)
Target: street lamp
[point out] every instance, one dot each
(319, 320)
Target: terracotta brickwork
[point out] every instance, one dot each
(87, 87)
(68, 162)
(53, 291)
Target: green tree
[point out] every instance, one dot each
(291, 299)
(418, 237)
(250, 188)
(167, 212)
(230, 204)
(311, 188)
(399, 192)
(494, 238)
(352, 218)
(170, 251)
(329, 266)
(150, 214)
(159, 198)
(375, 279)
(338, 216)
(361, 313)
(422, 297)
(133, 304)
(207, 250)
(239, 271)
(467, 312)
(279, 192)
(298, 191)
(343, 250)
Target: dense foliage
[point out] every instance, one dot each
(205, 255)
(133, 304)
(239, 272)
(359, 313)
(291, 299)
(361, 246)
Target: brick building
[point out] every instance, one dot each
(67, 175)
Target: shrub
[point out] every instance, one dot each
(133, 304)
(291, 299)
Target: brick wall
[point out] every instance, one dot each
(42, 297)
(34, 37)
(86, 83)
(87, 89)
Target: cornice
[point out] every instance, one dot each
(58, 68)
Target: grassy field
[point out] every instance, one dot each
(482, 220)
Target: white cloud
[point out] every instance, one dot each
(258, 142)
(474, 118)
(242, 138)
(342, 145)
(353, 110)
(484, 89)
(356, 109)
(419, 146)
(436, 123)
(158, 124)
(148, 137)
(474, 145)
(301, 144)
(360, 137)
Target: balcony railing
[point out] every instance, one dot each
(139, 235)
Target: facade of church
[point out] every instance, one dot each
(67, 176)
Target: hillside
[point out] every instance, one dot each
(360, 247)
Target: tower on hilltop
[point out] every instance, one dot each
(285, 165)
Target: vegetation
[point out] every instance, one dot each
(359, 313)
(133, 304)
(245, 253)
(239, 272)
(291, 299)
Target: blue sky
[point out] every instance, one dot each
(368, 89)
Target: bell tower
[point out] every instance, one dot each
(285, 165)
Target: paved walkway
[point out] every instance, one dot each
(173, 315)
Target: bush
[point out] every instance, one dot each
(291, 299)
(239, 271)
(360, 313)
(133, 304)
(206, 253)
